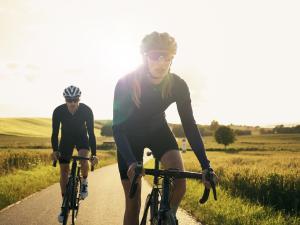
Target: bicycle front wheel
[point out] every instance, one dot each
(154, 207)
(66, 204)
(75, 199)
(152, 204)
(146, 208)
(168, 219)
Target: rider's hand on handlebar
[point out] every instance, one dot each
(55, 155)
(94, 160)
(209, 176)
(131, 171)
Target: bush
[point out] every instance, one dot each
(281, 129)
(265, 131)
(242, 132)
(12, 159)
(106, 130)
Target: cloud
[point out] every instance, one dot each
(32, 67)
(33, 72)
(12, 66)
(75, 72)
(17, 71)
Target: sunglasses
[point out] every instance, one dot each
(70, 100)
(156, 56)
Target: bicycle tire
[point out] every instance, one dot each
(78, 196)
(154, 208)
(168, 219)
(151, 205)
(146, 209)
(75, 199)
(66, 204)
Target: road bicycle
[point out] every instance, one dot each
(158, 200)
(71, 199)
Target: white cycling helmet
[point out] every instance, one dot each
(72, 92)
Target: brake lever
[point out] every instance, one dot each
(55, 161)
(213, 186)
(204, 196)
(206, 193)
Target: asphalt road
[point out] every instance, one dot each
(104, 205)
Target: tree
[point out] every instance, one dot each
(278, 129)
(214, 125)
(106, 130)
(265, 131)
(224, 135)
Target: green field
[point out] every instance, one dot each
(33, 127)
(259, 181)
(267, 142)
(254, 188)
(34, 133)
(29, 127)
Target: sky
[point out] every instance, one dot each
(240, 59)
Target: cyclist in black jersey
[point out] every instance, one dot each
(140, 101)
(77, 130)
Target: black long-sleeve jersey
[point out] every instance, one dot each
(73, 126)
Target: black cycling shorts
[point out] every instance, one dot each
(66, 147)
(159, 142)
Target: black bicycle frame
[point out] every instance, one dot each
(71, 199)
(167, 175)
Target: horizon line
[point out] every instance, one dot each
(270, 125)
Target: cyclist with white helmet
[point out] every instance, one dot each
(77, 130)
(139, 122)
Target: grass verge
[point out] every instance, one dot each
(22, 183)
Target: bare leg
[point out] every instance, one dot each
(133, 206)
(64, 173)
(172, 159)
(84, 163)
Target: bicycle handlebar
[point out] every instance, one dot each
(75, 158)
(175, 174)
